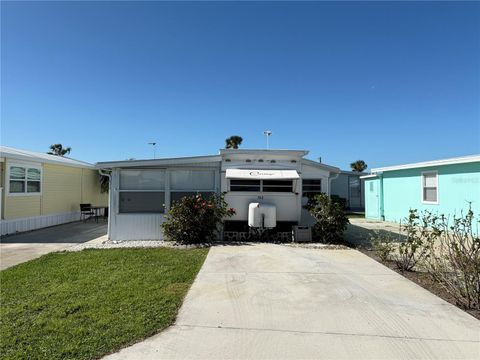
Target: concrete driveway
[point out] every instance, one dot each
(278, 302)
(15, 249)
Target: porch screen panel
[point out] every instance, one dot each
(142, 179)
(191, 182)
(142, 191)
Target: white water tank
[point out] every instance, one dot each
(262, 215)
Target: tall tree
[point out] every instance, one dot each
(358, 166)
(233, 142)
(59, 150)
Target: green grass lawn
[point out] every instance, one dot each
(82, 305)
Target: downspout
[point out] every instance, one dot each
(109, 175)
(330, 178)
(382, 210)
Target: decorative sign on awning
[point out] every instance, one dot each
(262, 174)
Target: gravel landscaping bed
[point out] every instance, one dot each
(108, 244)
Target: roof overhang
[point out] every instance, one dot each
(296, 153)
(369, 176)
(323, 166)
(262, 174)
(192, 160)
(451, 161)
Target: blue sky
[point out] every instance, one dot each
(385, 82)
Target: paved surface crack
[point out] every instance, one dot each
(325, 333)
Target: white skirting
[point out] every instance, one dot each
(13, 226)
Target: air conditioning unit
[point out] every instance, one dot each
(302, 233)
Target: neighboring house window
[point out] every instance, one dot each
(190, 182)
(142, 191)
(261, 185)
(430, 187)
(311, 187)
(25, 180)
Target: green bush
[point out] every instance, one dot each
(454, 259)
(383, 245)
(195, 219)
(330, 217)
(339, 200)
(419, 233)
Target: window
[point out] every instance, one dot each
(25, 180)
(191, 182)
(277, 186)
(244, 185)
(430, 187)
(142, 191)
(142, 202)
(261, 185)
(311, 187)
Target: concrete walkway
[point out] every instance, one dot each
(15, 249)
(278, 302)
(360, 231)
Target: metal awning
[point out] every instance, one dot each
(262, 174)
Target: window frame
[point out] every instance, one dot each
(423, 187)
(261, 186)
(189, 190)
(164, 191)
(309, 192)
(27, 167)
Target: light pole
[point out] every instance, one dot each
(154, 148)
(267, 133)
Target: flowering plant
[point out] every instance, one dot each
(196, 219)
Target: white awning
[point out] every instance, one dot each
(262, 174)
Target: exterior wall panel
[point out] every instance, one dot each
(457, 185)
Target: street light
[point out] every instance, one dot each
(154, 148)
(267, 133)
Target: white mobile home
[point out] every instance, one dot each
(142, 191)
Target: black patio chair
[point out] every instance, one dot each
(86, 212)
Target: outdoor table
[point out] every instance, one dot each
(96, 210)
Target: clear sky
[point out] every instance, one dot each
(386, 82)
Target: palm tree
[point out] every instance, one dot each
(59, 150)
(233, 142)
(358, 166)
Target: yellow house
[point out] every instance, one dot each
(39, 190)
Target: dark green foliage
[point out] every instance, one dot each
(83, 305)
(330, 216)
(233, 142)
(339, 200)
(59, 150)
(358, 166)
(195, 219)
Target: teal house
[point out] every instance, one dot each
(442, 186)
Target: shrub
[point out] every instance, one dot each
(339, 200)
(455, 259)
(419, 234)
(330, 217)
(383, 245)
(195, 219)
